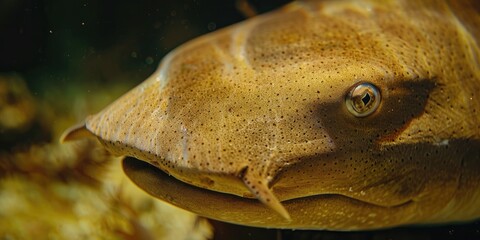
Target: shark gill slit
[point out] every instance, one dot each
(258, 186)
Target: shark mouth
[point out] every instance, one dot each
(227, 207)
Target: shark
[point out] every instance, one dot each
(339, 115)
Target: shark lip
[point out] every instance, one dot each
(354, 199)
(187, 196)
(387, 204)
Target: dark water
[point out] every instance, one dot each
(460, 232)
(55, 45)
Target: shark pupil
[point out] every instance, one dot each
(366, 99)
(363, 99)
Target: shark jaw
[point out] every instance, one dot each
(237, 209)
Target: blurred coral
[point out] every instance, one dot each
(75, 190)
(78, 191)
(17, 108)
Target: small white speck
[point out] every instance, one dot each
(444, 142)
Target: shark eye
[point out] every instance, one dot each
(363, 99)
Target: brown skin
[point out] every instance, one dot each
(258, 110)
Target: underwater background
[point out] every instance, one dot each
(63, 60)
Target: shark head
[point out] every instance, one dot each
(334, 115)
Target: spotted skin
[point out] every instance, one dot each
(257, 110)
